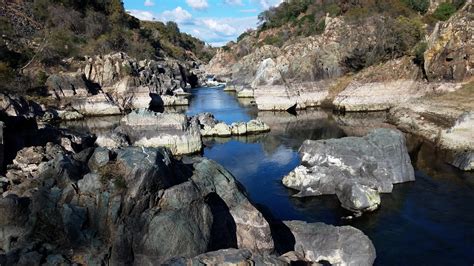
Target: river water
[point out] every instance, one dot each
(426, 222)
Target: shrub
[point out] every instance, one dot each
(274, 40)
(418, 5)
(41, 78)
(444, 11)
(419, 53)
(408, 33)
(333, 10)
(6, 73)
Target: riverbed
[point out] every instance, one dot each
(426, 222)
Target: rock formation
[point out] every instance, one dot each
(114, 83)
(356, 169)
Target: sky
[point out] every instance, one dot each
(214, 21)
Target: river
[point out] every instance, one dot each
(426, 222)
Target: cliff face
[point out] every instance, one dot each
(114, 83)
(450, 48)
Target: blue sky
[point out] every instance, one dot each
(213, 21)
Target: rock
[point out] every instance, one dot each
(15, 214)
(464, 160)
(370, 165)
(446, 120)
(99, 158)
(2, 146)
(450, 46)
(257, 126)
(245, 93)
(267, 74)
(210, 127)
(67, 85)
(229, 257)
(251, 229)
(220, 130)
(17, 106)
(206, 119)
(358, 198)
(171, 130)
(343, 245)
(239, 129)
(143, 118)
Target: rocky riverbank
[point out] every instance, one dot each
(141, 205)
(429, 99)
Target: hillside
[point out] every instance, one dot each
(39, 37)
(343, 35)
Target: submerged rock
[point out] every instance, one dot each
(354, 168)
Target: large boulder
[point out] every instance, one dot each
(172, 130)
(344, 245)
(252, 231)
(356, 169)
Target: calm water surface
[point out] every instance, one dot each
(427, 222)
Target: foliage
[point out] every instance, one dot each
(6, 73)
(419, 53)
(444, 11)
(274, 40)
(41, 78)
(418, 5)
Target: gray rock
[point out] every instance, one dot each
(374, 162)
(357, 197)
(229, 257)
(252, 230)
(15, 214)
(464, 160)
(344, 245)
(99, 158)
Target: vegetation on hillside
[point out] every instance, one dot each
(400, 25)
(46, 32)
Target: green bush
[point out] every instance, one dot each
(419, 53)
(274, 40)
(408, 32)
(444, 11)
(333, 10)
(41, 78)
(418, 5)
(6, 73)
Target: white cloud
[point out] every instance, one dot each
(219, 27)
(266, 4)
(149, 3)
(179, 15)
(141, 14)
(248, 10)
(234, 2)
(219, 31)
(198, 4)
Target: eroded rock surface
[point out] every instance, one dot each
(356, 169)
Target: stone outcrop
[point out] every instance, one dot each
(114, 83)
(444, 120)
(450, 48)
(343, 245)
(172, 130)
(356, 169)
(210, 127)
(138, 205)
